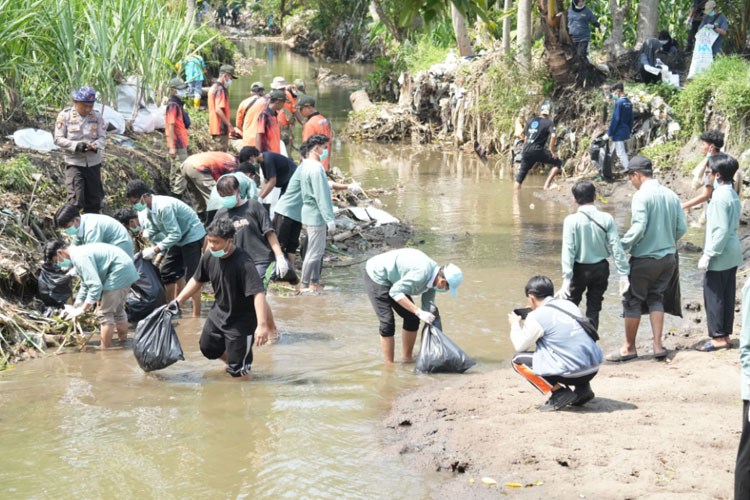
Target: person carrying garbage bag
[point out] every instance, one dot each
(92, 228)
(240, 315)
(106, 273)
(391, 279)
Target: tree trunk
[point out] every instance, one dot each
(190, 14)
(459, 28)
(648, 20)
(614, 44)
(506, 27)
(523, 33)
(390, 26)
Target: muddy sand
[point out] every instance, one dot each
(654, 430)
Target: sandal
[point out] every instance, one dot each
(617, 357)
(709, 347)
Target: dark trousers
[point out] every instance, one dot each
(742, 468)
(691, 35)
(581, 48)
(523, 364)
(592, 278)
(84, 187)
(719, 288)
(533, 156)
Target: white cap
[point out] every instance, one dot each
(278, 83)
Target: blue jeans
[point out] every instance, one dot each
(195, 89)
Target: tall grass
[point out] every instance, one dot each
(50, 47)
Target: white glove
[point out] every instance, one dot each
(148, 253)
(624, 285)
(331, 226)
(425, 316)
(564, 292)
(282, 267)
(355, 188)
(73, 273)
(71, 312)
(606, 137)
(703, 262)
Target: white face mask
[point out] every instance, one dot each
(181, 93)
(228, 83)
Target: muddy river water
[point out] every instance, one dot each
(307, 424)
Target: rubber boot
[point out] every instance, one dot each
(197, 102)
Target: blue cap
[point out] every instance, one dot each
(84, 94)
(454, 277)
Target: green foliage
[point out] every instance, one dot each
(663, 155)
(382, 81)
(726, 84)
(422, 55)
(16, 174)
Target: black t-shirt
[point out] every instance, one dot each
(537, 132)
(235, 283)
(279, 166)
(251, 223)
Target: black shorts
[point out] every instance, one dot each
(84, 187)
(384, 306)
(531, 158)
(181, 262)
(649, 279)
(239, 348)
(287, 231)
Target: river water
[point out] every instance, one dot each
(307, 424)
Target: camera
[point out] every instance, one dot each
(522, 311)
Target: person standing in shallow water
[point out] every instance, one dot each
(81, 132)
(391, 279)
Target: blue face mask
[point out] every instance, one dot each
(65, 264)
(708, 155)
(324, 155)
(219, 253)
(71, 230)
(441, 290)
(229, 201)
(140, 206)
(135, 229)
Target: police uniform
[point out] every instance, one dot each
(83, 181)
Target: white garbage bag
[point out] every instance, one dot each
(114, 119)
(145, 122)
(34, 138)
(126, 96)
(703, 54)
(160, 116)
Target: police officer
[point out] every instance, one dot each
(82, 133)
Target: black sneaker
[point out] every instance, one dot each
(559, 400)
(584, 394)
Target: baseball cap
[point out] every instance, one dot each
(299, 83)
(177, 83)
(256, 86)
(639, 164)
(278, 83)
(278, 95)
(710, 5)
(304, 101)
(454, 277)
(229, 69)
(544, 109)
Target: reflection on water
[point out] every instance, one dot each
(93, 425)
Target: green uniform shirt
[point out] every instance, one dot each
(745, 342)
(248, 191)
(722, 221)
(586, 242)
(101, 267)
(406, 271)
(317, 208)
(96, 228)
(290, 203)
(170, 222)
(657, 222)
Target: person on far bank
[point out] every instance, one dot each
(177, 125)
(589, 237)
(722, 254)
(565, 355)
(267, 132)
(621, 124)
(646, 64)
(315, 123)
(176, 233)
(219, 125)
(742, 466)
(694, 20)
(81, 132)
(580, 19)
(92, 228)
(711, 142)
(317, 209)
(106, 274)
(537, 131)
(222, 13)
(657, 222)
(240, 315)
(392, 279)
(716, 21)
(256, 92)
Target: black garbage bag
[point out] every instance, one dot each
(438, 353)
(55, 287)
(156, 343)
(147, 293)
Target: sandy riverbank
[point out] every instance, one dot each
(655, 430)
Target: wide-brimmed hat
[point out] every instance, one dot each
(278, 83)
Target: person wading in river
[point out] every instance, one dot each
(589, 237)
(277, 171)
(245, 174)
(106, 274)
(219, 125)
(81, 132)
(538, 130)
(202, 170)
(657, 222)
(240, 313)
(392, 279)
(92, 228)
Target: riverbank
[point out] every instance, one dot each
(655, 430)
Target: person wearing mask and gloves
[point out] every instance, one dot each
(580, 18)
(177, 124)
(106, 274)
(92, 228)
(621, 124)
(392, 279)
(219, 125)
(717, 22)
